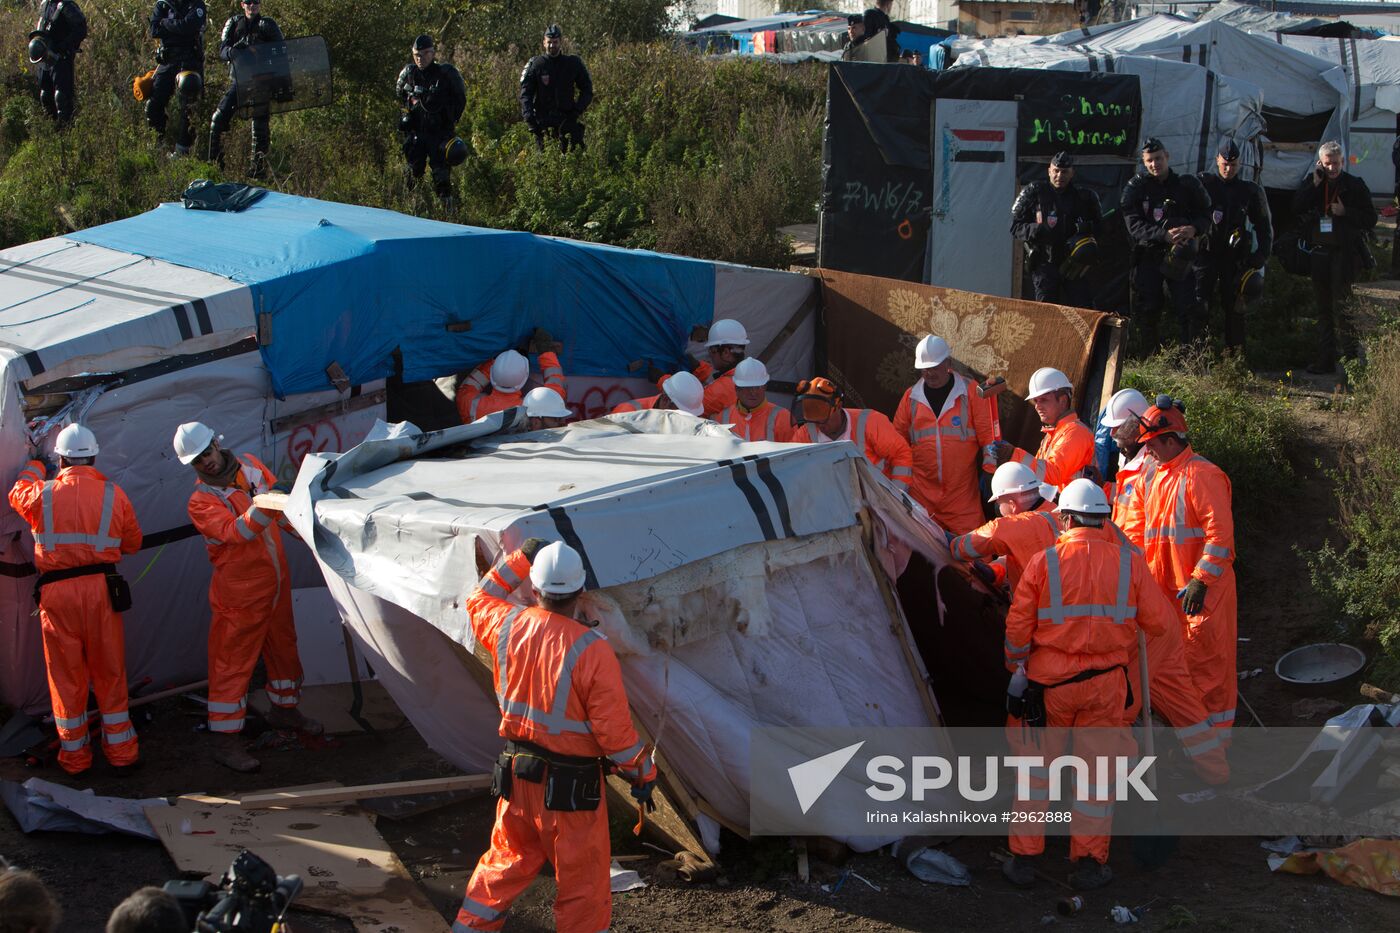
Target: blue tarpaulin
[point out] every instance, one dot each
(349, 285)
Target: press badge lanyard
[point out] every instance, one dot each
(1324, 225)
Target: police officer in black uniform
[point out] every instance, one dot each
(1229, 250)
(56, 39)
(1335, 209)
(547, 99)
(1052, 218)
(1165, 213)
(179, 25)
(433, 96)
(877, 20)
(241, 31)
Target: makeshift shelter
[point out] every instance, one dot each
(739, 584)
(1304, 98)
(920, 168)
(1186, 106)
(1252, 18)
(290, 327)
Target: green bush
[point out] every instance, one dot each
(696, 155)
(1237, 422)
(1361, 578)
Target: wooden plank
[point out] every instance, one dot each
(340, 795)
(271, 501)
(1112, 370)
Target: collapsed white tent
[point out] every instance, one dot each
(732, 579)
(1186, 106)
(177, 315)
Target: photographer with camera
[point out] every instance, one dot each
(433, 96)
(565, 718)
(547, 102)
(56, 39)
(1165, 213)
(250, 898)
(179, 25)
(1057, 221)
(240, 32)
(1231, 261)
(1336, 213)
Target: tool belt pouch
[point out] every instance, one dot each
(530, 767)
(1033, 705)
(501, 776)
(118, 591)
(572, 787)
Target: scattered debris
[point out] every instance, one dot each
(1314, 707)
(38, 804)
(1121, 914)
(624, 879)
(1285, 845)
(873, 886)
(929, 864)
(1069, 906)
(1245, 675)
(1373, 864)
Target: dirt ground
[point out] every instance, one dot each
(1211, 883)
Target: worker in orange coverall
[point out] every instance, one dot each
(726, 343)
(1026, 528)
(250, 593)
(83, 523)
(1072, 622)
(565, 718)
(1189, 538)
(753, 417)
(1068, 445)
(825, 419)
(949, 429)
(506, 376)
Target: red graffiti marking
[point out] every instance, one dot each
(599, 400)
(315, 437)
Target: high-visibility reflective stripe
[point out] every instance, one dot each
(479, 909)
(963, 547)
(1217, 718)
(460, 927)
(1185, 732)
(1093, 810)
(1175, 535)
(555, 721)
(1119, 612)
(278, 699)
(962, 431)
(1210, 567)
(1036, 793)
(1035, 466)
(115, 719)
(859, 433)
(1200, 748)
(503, 652)
(74, 745)
(226, 725)
(1215, 550)
(1050, 520)
(1015, 649)
(248, 531)
(508, 576)
(217, 707)
(627, 754)
(492, 588)
(557, 725)
(553, 373)
(283, 684)
(902, 471)
(770, 427)
(471, 412)
(564, 685)
(117, 738)
(102, 540)
(70, 722)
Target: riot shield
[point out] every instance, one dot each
(276, 77)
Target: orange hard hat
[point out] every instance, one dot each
(817, 397)
(1166, 416)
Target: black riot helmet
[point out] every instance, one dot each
(38, 48)
(1251, 287)
(454, 151)
(423, 42)
(552, 31)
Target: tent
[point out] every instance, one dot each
(741, 585)
(291, 327)
(1253, 18)
(1304, 98)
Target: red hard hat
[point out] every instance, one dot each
(1162, 419)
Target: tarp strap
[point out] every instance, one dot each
(1355, 82)
(1207, 116)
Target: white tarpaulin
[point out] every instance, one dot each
(731, 579)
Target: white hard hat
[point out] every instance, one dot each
(1012, 478)
(1125, 404)
(557, 570)
(1046, 380)
(930, 352)
(687, 392)
(750, 373)
(75, 441)
(1085, 497)
(509, 371)
(544, 402)
(725, 333)
(191, 439)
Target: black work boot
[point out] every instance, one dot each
(1089, 874)
(1020, 870)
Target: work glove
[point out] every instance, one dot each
(1193, 597)
(1002, 451)
(1092, 474)
(655, 373)
(282, 486)
(531, 547)
(523, 346)
(642, 794)
(542, 341)
(986, 573)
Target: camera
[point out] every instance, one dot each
(249, 898)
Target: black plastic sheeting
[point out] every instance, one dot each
(877, 166)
